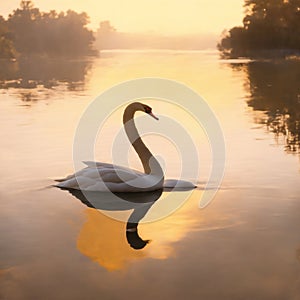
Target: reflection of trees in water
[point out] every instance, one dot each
(29, 73)
(28, 97)
(274, 88)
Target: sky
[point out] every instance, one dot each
(170, 17)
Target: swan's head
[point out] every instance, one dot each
(148, 110)
(137, 106)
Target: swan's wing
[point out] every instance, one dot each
(95, 164)
(88, 178)
(98, 165)
(117, 175)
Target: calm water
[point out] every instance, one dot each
(244, 245)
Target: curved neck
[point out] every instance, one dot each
(150, 164)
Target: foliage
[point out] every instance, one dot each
(7, 49)
(270, 26)
(52, 34)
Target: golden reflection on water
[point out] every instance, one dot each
(103, 239)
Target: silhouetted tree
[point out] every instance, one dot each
(23, 25)
(268, 25)
(7, 49)
(107, 35)
(63, 34)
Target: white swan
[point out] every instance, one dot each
(103, 177)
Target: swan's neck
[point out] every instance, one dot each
(150, 164)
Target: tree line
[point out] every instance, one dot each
(269, 27)
(28, 31)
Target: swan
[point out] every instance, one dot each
(103, 177)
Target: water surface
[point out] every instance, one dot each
(244, 245)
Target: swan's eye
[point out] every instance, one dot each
(148, 109)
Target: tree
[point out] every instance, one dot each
(106, 35)
(51, 34)
(7, 49)
(23, 24)
(268, 25)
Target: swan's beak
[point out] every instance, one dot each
(152, 115)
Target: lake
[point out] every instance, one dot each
(244, 245)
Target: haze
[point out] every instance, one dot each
(172, 17)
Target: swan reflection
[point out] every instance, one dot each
(140, 203)
(113, 244)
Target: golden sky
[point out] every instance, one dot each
(157, 16)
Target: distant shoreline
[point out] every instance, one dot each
(263, 54)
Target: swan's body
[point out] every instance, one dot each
(104, 177)
(108, 177)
